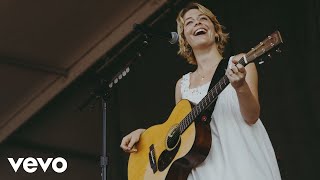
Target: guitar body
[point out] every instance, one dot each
(156, 160)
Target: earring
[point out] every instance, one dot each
(217, 38)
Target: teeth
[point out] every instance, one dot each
(199, 30)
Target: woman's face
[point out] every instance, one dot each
(198, 29)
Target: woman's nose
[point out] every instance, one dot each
(197, 23)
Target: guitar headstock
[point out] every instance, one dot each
(264, 46)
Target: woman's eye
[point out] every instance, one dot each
(204, 18)
(189, 22)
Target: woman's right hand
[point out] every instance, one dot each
(128, 142)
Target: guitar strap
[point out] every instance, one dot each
(219, 73)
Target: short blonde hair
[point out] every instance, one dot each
(185, 49)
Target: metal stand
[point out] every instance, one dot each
(104, 158)
(102, 92)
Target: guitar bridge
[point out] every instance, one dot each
(152, 159)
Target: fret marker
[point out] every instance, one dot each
(245, 59)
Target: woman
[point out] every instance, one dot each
(241, 147)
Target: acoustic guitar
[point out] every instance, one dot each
(170, 150)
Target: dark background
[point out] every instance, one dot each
(288, 91)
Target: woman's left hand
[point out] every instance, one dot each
(236, 74)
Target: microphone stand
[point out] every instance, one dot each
(104, 161)
(103, 93)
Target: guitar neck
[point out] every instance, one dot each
(211, 96)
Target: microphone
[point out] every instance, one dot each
(172, 37)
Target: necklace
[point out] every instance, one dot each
(202, 77)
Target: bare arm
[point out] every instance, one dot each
(128, 142)
(245, 82)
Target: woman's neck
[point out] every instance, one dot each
(207, 58)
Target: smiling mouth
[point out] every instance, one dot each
(200, 31)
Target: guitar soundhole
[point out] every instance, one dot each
(173, 138)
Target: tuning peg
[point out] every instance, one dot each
(261, 61)
(278, 50)
(269, 55)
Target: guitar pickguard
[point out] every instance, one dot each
(166, 157)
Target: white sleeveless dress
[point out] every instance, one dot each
(239, 151)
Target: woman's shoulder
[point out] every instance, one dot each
(184, 77)
(184, 80)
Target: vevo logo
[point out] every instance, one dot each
(30, 165)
